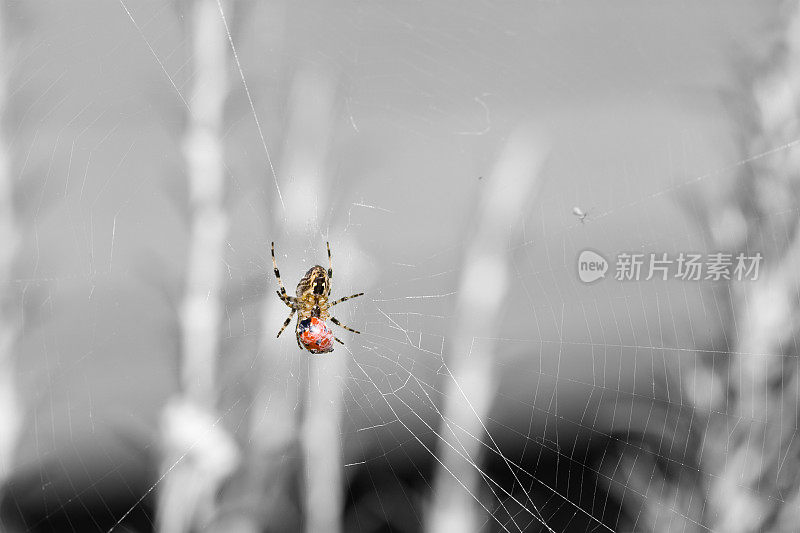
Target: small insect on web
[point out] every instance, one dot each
(312, 306)
(580, 213)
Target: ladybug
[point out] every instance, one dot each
(315, 335)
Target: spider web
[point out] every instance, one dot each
(589, 428)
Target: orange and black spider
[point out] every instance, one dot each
(311, 304)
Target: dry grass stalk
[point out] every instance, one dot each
(309, 137)
(751, 457)
(10, 418)
(271, 462)
(753, 454)
(469, 389)
(198, 452)
(322, 447)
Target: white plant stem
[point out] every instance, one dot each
(751, 455)
(471, 383)
(10, 417)
(275, 424)
(199, 453)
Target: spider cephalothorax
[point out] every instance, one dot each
(311, 305)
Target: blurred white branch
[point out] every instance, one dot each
(322, 446)
(483, 288)
(271, 457)
(199, 453)
(308, 143)
(10, 418)
(751, 455)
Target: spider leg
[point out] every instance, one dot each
(333, 319)
(344, 299)
(286, 322)
(330, 263)
(288, 300)
(337, 339)
(297, 336)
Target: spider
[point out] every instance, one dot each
(312, 307)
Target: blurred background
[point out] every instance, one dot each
(458, 156)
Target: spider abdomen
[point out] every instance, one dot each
(315, 335)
